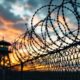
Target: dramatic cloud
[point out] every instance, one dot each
(15, 13)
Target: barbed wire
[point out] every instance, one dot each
(54, 34)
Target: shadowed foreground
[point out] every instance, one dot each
(35, 75)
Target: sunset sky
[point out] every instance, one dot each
(14, 14)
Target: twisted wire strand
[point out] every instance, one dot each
(34, 47)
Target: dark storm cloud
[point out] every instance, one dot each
(7, 15)
(37, 3)
(33, 3)
(12, 1)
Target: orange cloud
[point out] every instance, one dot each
(6, 22)
(8, 31)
